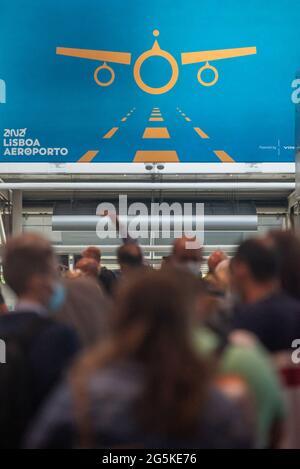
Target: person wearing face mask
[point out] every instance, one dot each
(38, 349)
(187, 255)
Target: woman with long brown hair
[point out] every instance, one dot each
(146, 386)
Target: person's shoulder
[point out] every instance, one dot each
(244, 351)
(288, 301)
(17, 320)
(105, 272)
(246, 313)
(58, 332)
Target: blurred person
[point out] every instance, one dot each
(240, 355)
(165, 262)
(130, 258)
(86, 310)
(218, 300)
(38, 349)
(187, 258)
(107, 278)
(222, 276)
(146, 387)
(88, 267)
(72, 274)
(266, 311)
(62, 269)
(287, 245)
(213, 261)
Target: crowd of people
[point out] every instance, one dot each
(144, 357)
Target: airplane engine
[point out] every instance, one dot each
(104, 66)
(207, 66)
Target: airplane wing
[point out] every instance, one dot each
(101, 55)
(205, 56)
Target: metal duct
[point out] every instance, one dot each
(211, 222)
(144, 186)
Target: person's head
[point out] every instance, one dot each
(86, 309)
(30, 270)
(152, 326)
(222, 275)
(88, 267)
(92, 252)
(215, 258)
(130, 257)
(254, 266)
(288, 248)
(187, 254)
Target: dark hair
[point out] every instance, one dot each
(25, 256)
(152, 324)
(130, 254)
(288, 248)
(261, 259)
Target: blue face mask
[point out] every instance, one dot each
(57, 297)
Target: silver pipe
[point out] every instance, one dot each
(144, 186)
(157, 223)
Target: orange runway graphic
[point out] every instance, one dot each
(111, 132)
(156, 156)
(224, 157)
(88, 156)
(156, 132)
(200, 132)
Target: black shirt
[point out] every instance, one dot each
(275, 320)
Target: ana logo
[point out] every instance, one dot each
(156, 51)
(2, 92)
(296, 92)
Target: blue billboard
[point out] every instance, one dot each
(130, 81)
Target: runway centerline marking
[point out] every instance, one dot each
(157, 119)
(155, 156)
(88, 156)
(156, 132)
(224, 157)
(200, 132)
(111, 132)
